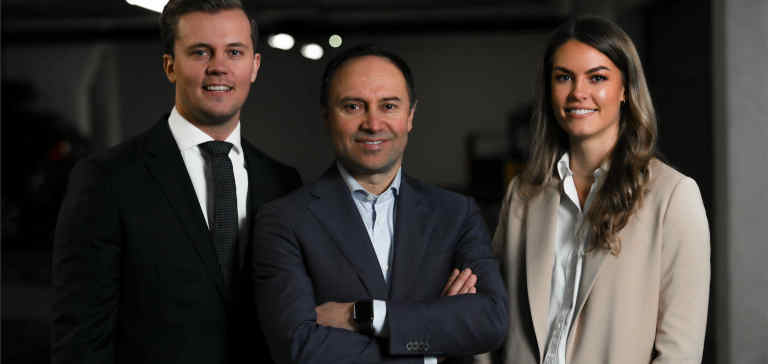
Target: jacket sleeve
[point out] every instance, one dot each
(286, 303)
(457, 325)
(685, 278)
(86, 270)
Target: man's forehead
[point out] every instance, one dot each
(213, 25)
(369, 72)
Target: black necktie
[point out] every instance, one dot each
(224, 226)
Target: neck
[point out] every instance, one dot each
(586, 156)
(376, 183)
(216, 129)
(217, 132)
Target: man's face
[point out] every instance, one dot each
(369, 115)
(213, 66)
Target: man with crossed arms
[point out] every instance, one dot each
(353, 267)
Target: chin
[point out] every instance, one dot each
(360, 167)
(210, 117)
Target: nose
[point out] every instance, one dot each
(217, 65)
(373, 122)
(579, 89)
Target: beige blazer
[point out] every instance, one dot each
(646, 305)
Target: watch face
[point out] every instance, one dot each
(363, 311)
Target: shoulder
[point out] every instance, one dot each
(665, 180)
(116, 160)
(672, 191)
(270, 170)
(265, 161)
(440, 201)
(290, 203)
(434, 194)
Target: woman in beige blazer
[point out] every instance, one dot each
(605, 248)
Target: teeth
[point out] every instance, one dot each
(373, 143)
(580, 111)
(217, 88)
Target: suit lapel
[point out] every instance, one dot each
(164, 162)
(335, 210)
(411, 223)
(540, 229)
(594, 260)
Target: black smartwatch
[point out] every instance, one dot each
(362, 314)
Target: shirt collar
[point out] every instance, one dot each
(188, 136)
(564, 168)
(354, 186)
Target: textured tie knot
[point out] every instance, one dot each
(216, 148)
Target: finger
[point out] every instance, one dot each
(320, 315)
(454, 274)
(473, 290)
(469, 283)
(459, 282)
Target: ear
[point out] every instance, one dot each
(256, 65)
(168, 67)
(623, 94)
(411, 113)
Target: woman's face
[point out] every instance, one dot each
(587, 91)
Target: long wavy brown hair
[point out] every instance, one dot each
(624, 186)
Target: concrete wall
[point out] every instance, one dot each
(740, 57)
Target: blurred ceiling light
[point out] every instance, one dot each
(335, 41)
(281, 41)
(154, 5)
(312, 51)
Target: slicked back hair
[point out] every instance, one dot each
(364, 50)
(174, 9)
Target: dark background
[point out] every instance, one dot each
(80, 76)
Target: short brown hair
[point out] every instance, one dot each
(174, 9)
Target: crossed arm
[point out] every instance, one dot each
(303, 331)
(339, 314)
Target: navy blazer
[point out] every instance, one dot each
(311, 247)
(135, 274)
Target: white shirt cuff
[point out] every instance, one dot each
(430, 360)
(379, 315)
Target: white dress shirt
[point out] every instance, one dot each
(570, 240)
(188, 138)
(378, 215)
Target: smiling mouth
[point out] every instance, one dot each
(217, 88)
(580, 111)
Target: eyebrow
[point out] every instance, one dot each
(393, 98)
(591, 70)
(237, 44)
(206, 45)
(358, 99)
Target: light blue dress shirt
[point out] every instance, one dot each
(378, 215)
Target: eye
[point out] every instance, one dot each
(389, 106)
(200, 52)
(351, 107)
(597, 78)
(236, 52)
(562, 77)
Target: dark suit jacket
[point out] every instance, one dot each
(312, 247)
(135, 273)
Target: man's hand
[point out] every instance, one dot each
(460, 283)
(336, 314)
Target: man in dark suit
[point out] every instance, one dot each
(150, 243)
(353, 267)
